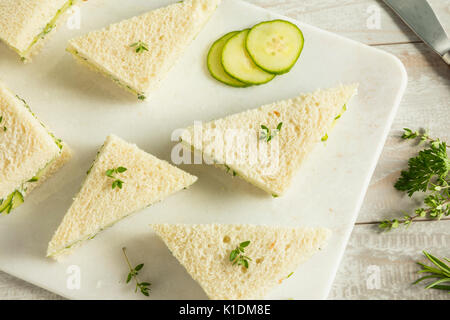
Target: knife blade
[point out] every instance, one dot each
(420, 17)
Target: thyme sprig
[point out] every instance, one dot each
(117, 183)
(428, 173)
(439, 272)
(267, 134)
(144, 287)
(139, 46)
(237, 255)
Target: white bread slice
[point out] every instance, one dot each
(276, 252)
(166, 32)
(97, 206)
(27, 147)
(25, 24)
(305, 121)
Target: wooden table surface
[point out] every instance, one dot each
(376, 265)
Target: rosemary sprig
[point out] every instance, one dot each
(428, 173)
(440, 273)
(139, 46)
(267, 134)
(117, 183)
(144, 287)
(237, 255)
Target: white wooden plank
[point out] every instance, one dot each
(382, 266)
(352, 18)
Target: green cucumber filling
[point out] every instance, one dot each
(47, 29)
(140, 95)
(344, 108)
(11, 202)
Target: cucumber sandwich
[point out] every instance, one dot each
(266, 146)
(138, 53)
(123, 179)
(25, 24)
(29, 152)
(241, 262)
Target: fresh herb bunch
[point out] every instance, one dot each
(440, 273)
(117, 182)
(144, 287)
(428, 173)
(267, 134)
(237, 255)
(139, 46)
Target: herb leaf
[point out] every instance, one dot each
(144, 287)
(267, 134)
(237, 256)
(432, 163)
(440, 275)
(117, 183)
(139, 46)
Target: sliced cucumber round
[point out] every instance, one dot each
(238, 64)
(275, 46)
(215, 66)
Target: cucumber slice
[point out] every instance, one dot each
(14, 200)
(238, 64)
(275, 46)
(215, 66)
(6, 203)
(17, 200)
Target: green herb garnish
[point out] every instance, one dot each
(237, 255)
(139, 46)
(428, 173)
(1, 119)
(117, 182)
(440, 273)
(228, 169)
(144, 287)
(267, 134)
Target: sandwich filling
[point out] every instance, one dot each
(16, 198)
(98, 68)
(47, 29)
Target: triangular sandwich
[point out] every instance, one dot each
(29, 152)
(138, 53)
(122, 180)
(266, 146)
(214, 255)
(26, 24)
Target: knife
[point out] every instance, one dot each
(420, 17)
